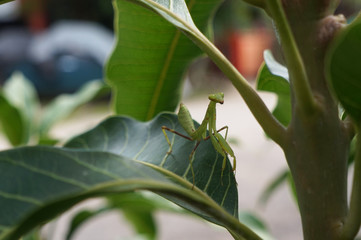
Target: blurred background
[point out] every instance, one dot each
(57, 45)
(60, 45)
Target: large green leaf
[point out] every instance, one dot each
(343, 68)
(273, 77)
(119, 155)
(147, 65)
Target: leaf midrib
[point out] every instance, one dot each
(163, 76)
(165, 68)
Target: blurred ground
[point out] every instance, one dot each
(258, 161)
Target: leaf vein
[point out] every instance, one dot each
(92, 167)
(163, 75)
(211, 175)
(227, 190)
(126, 134)
(20, 198)
(46, 173)
(144, 145)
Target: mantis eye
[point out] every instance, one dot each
(217, 97)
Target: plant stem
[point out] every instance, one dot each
(295, 65)
(353, 219)
(272, 127)
(267, 121)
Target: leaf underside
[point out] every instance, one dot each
(273, 77)
(148, 63)
(343, 69)
(119, 155)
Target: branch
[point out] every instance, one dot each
(353, 219)
(268, 122)
(295, 65)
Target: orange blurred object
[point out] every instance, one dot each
(246, 49)
(34, 11)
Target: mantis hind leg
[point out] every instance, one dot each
(190, 162)
(226, 148)
(220, 150)
(167, 138)
(221, 129)
(164, 128)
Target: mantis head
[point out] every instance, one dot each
(217, 97)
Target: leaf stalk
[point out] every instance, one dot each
(272, 127)
(295, 64)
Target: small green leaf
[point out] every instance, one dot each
(138, 208)
(11, 122)
(33, 235)
(119, 155)
(256, 224)
(80, 218)
(5, 1)
(284, 177)
(291, 184)
(275, 67)
(147, 66)
(142, 221)
(273, 186)
(352, 151)
(273, 77)
(63, 105)
(343, 63)
(21, 94)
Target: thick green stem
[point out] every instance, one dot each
(317, 156)
(353, 220)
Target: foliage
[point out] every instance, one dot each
(150, 56)
(20, 107)
(123, 155)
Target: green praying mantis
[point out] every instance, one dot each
(199, 134)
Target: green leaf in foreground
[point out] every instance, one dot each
(151, 55)
(119, 155)
(273, 77)
(343, 68)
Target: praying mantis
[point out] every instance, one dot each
(219, 143)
